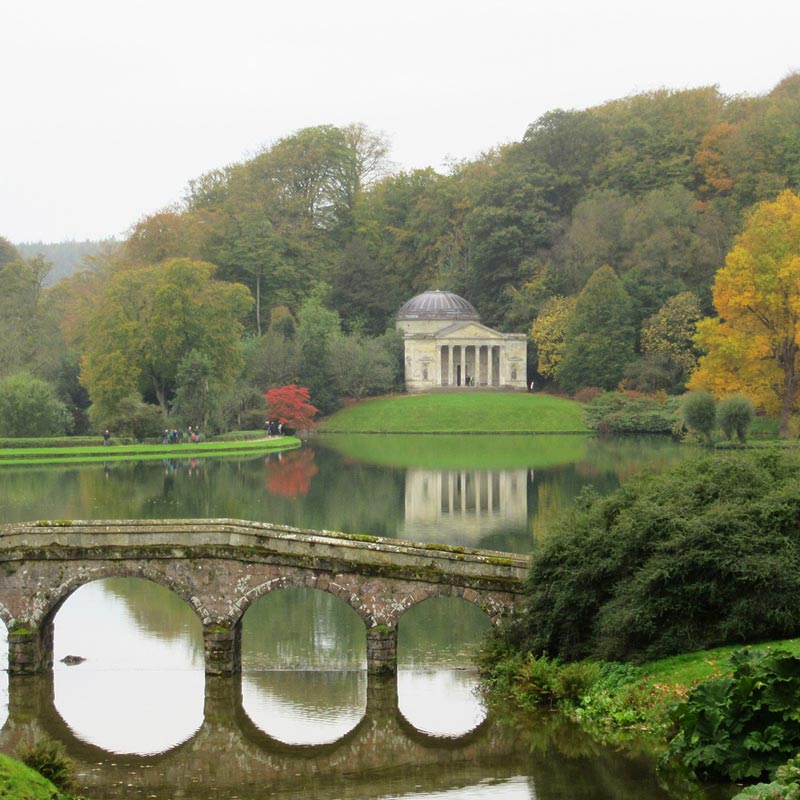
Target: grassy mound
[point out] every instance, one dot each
(462, 412)
(18, 782)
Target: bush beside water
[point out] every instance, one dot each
(705, 554)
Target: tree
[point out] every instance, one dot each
(599, 337)
(147, 320)
(669, 335)
(734, 416)
(8, 252)
(753, 347)
(291, 406)
(317, 328)
(548, 331)
(29, 407)
(197, 394)
(699, 413)
(361, 366)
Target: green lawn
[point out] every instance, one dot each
(462, 412)
(18, 782)
(127, 452)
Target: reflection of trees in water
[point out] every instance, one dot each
(302, 629)
(566, 762)
(28, 493)
(627, 456)
(345, 494)
(317, 691)
(439, 631)
(156, 610)
(290, 474)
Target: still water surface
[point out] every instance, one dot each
(141, 720)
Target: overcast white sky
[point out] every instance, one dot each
(110, 107)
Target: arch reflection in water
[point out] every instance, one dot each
(516, 788)
(304, 666)
(140, 689)
(436, 681)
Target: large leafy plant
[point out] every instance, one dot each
(745, 724)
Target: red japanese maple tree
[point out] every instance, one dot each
(290, 406)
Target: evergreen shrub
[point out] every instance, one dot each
(631, 413)
(705, 554)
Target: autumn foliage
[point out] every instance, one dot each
(291, 406)
(754, 345)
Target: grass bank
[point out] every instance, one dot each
(460, 412)
(10, 456)
(18, 782)
(617, 702)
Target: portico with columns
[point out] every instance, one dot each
(446, 346)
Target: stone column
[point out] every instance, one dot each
(30, 650)
(382, 650)
(223, 649)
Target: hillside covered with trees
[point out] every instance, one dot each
(600, 233)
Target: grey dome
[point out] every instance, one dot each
(438, 305)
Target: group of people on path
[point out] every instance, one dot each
(176, 436)
(273, 427)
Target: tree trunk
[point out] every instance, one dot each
(258, 303)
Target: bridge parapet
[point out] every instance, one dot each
(222, 566)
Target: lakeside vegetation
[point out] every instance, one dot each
(16, 456)
(20, 782)
(704, 555)
(462, 412)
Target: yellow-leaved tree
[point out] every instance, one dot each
(753, 347)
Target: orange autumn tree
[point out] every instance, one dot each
(754, 346)
(291, 406)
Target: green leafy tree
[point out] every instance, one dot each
(29, 407)
(599, 338)
(130, 417)
(699, 413)
(317, 329)
(735, 415)
(669, 335)
(147, 320)
(511, 219)
(197, 396)
(702, 555)
(30, 339)
(8, 252)
(361, 366)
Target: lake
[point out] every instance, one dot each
(141, 720)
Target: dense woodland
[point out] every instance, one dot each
(599, 233)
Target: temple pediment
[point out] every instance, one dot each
(468, 330)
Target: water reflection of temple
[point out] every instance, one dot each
(466, 503)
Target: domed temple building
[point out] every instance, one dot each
(447, 347)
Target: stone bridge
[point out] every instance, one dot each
(221, 566)
(383, 755)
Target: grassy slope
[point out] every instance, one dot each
(18, 782)
(44, 455)
(462, 412)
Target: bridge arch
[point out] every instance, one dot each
(45, 614)
(304, 579)
(7, 617)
